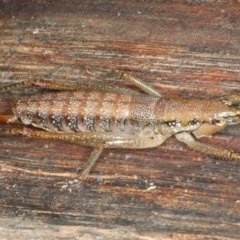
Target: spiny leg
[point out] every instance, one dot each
(17, 85)
(98, 140)
(188, 139)
(41, 134)
(66, 137)
(83, 87)
(47, 84)
(90, 139)
(106, 140)
(139, 83)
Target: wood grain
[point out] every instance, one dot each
(183, 49)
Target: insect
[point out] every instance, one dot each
(108, 116)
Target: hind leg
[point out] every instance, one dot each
(93, 139)
(138, 83)
(47, 84)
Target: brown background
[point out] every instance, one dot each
(183, 48)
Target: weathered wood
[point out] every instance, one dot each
(169, 192)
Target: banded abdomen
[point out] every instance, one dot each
(87, 111)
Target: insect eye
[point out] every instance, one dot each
(220, 122)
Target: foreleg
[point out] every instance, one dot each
(232, 99)
(188, 139)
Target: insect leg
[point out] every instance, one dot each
(139, 83)
(17, 85)
(127, 142)
(98, 140)
(137, 142)
(47, 84)
(91, 161)
(231, 99)
(41, 134)
(188, 139)
(83, 87)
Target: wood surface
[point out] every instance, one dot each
(182, 48)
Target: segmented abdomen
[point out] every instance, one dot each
(86, 111)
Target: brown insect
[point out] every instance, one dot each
(107, 116)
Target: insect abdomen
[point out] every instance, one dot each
(85, 111)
